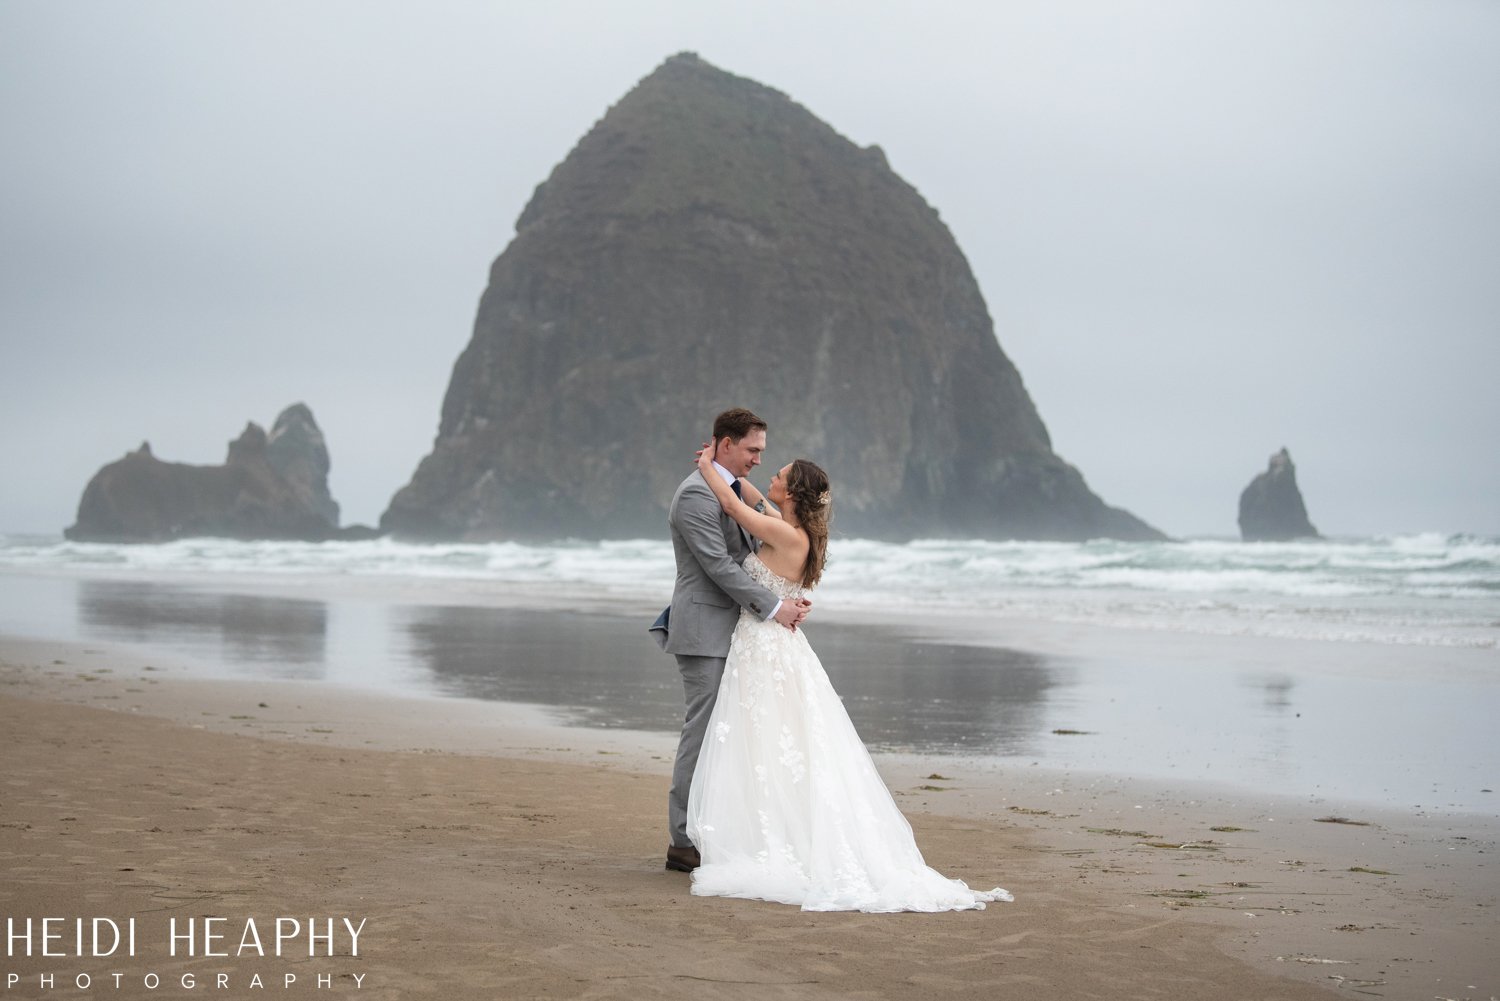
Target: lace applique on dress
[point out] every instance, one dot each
(786, 804)
(767, 578)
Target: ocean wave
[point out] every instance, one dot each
(1427, 588)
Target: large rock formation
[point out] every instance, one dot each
(710, 243)
(270, 487)
(1271, 508)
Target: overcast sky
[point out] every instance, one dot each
(1204, 229)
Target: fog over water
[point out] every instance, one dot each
(1204, 231)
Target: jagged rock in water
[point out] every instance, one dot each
(269, 487)
(710, 243)
(297, 452)
(1271, 507)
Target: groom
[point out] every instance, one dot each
(711, 589)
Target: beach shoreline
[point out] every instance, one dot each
(1364, 725)
(1399, 902)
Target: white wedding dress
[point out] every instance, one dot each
(786, 804)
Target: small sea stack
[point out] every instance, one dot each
(1271, 507)
(271, 486)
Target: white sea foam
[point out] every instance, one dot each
(1422, 589)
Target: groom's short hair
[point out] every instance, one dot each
(734, 424)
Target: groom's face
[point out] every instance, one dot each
(739, 457)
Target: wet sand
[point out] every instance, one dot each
(494, 853)
(1350, 724)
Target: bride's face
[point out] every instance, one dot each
(777, 491)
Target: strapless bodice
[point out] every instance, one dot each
(763, 575)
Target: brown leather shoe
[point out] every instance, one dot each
(683, 859)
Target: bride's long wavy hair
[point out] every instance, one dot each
(807, 488)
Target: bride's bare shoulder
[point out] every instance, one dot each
(783, 562)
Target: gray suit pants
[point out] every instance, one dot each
(700, 689)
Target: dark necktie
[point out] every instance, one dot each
(735, 486)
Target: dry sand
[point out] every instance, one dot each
(492, 855)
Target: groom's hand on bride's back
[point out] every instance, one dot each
(791, 613)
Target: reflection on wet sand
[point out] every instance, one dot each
(1294, 717)
(591, 670)
(601, 670)
(923, 696)
(605, 671)
(282, 637)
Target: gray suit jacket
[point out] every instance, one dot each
(711, 585)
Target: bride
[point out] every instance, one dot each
(785, 803)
